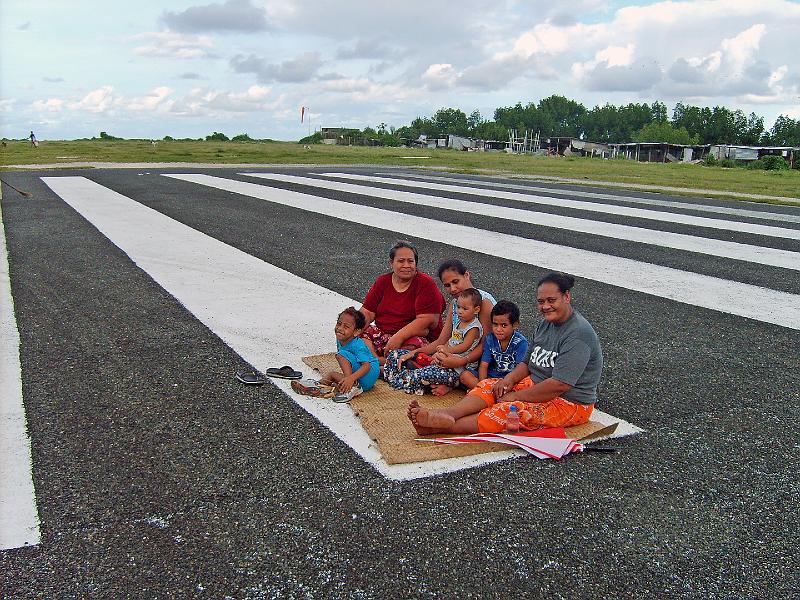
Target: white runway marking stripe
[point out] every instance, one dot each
(611, 209)
(226, 289)
(19, 518)
(762, 304)
(710, 208)
(734, 250)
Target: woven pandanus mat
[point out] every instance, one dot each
(382, 411)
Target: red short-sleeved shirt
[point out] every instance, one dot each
(394, 310)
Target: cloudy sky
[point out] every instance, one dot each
(185, 68)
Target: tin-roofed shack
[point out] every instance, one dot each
(748, 153)
(658, 151)
(663, 152)
(570, 146)
(460, 142)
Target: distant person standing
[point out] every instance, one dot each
(34, 142)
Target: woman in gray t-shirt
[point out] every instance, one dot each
(556, 388)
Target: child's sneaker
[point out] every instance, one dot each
(347, 396)
(312, 387)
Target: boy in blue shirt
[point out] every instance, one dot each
(360, 368)
(503, 348)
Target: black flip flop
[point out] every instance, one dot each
(250, 377)
(285, 372)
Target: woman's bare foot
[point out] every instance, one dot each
(413, 408)
(429, 421)
(440, 389)
(411, 405)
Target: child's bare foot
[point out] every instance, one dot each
(440, 389)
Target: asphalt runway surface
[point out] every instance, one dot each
(158, 475)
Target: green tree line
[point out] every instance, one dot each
(557, 116)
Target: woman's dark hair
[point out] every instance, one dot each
(506, 307)
(357, 315)
(562, 280)
(401, 244)
(451, 265)
(472, 295)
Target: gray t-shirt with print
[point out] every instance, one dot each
(571, 353)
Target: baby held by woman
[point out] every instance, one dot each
(465, 337)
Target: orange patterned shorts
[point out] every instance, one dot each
(532, 415)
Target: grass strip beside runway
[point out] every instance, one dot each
(773, 183)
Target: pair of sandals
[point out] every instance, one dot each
(256, 378)
(306, 387)
(317, 389)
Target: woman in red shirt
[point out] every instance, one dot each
(404, 306)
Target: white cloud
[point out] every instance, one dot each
(616, 56)
(617, 68)
(611, 56)
(163, 100)
(205, 101)
(49, 105)
(6, 105)
(440, 77)
(157, 100)
(543, 39)
(173, 45)
(736, 69)
(741, 48)
(534, 54)
(100, 100)
(777, 76)
(723, 51)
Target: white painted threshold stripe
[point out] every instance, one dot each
(721, 210)
(227, 290)
(611, 209)
(757, 254)
(753, 302)
(19, 517)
